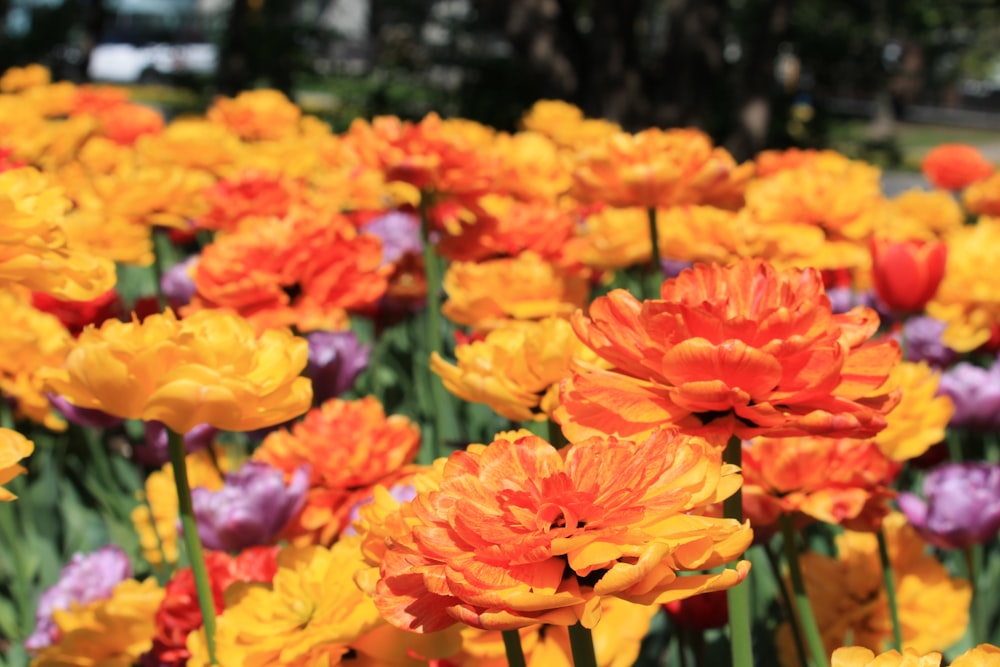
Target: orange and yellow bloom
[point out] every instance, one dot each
(742, 350)
(520, 533)
(13, 448)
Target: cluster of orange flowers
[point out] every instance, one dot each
(743, 354)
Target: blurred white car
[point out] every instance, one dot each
(150, 63)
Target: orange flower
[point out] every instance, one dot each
(250, 194)
(657, 168)
(740, 350)
(17, 79)
(525, 287)
(521, 533)
(349, 446)
(907, 273)
(257, 115)
(303, 270)
(566, 125)
(771, 162)
(124, 123)
(840, 481)
(955, 166)
(436, 155)
(503, 226)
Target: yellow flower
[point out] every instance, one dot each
(565, 124)
(32, 340)
(108, 633)
(13, 448)
(968, 299)
(919, 420)
(195, 143)
(34, 251)
(156, 519)
(840, 197)
(210, 368)
(483, 295)
(858, 656)
(616, 640)
(984, 655)
(312, 614)
(516, 369)
(921, 214)
(17, 79)
(531, 167)
(849, 599)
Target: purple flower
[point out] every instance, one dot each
(177, 283)
(400, 234)
(923, 342)
(975, 391)
(87, 417)
(87, 578)
(962, 505)
(153, 452)
(842, 299)
(336, 359)
(252, 507)
(673, 267)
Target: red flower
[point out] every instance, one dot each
(907, 273)
(179, 614)
(75, 315)
(701, 612)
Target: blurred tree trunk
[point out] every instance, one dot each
(754, 81)
(94, 16)
(233, 74)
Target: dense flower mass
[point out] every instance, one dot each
(744, 349)
(519, 533)
(210, 368)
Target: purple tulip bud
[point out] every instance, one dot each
(336, 359)
(400, 234)
(923, 342)
(961, 506)
(87, 417)
(87, 578)
(154, 452)
(843, 299)
(252, 507)
(975, 391)
(177, 283)
(673, 267)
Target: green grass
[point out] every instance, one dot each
(913, 141)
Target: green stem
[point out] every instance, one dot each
(655, 278)
(556, 437)
(802, 605)
(512, 645)
(682, 642)
(581, 645)
(444, 411)
(738, 597)
(978, 610)
(159, 268)
(954, 439)
(889, 581)
(192, 542)
(21, 581)
(788, 604)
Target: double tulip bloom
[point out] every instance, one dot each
(211, 368)
(520, 533)
(742, 350)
